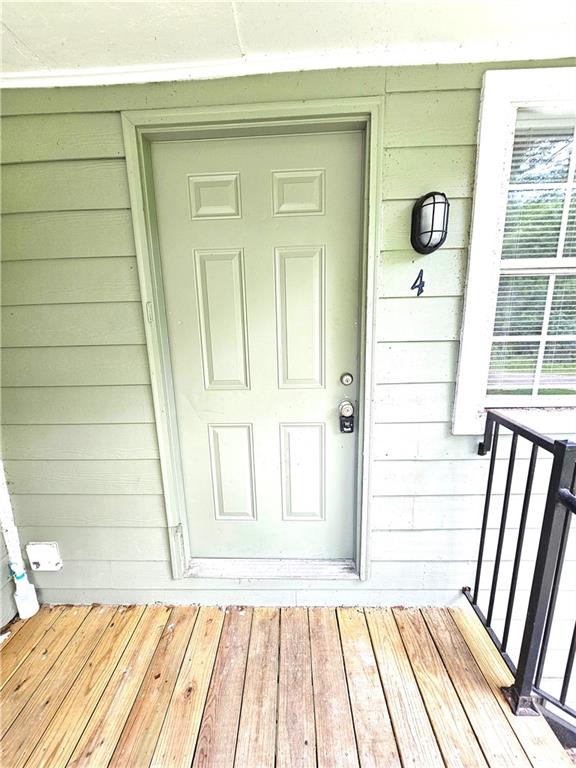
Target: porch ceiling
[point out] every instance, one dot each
(60, 43)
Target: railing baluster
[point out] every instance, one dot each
(502, 532)
(569, 666)
(567, 497)
(547, 573)
(519, 545)
(553, 597)
(493, 440)
(519, 694)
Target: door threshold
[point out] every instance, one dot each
(269, 568)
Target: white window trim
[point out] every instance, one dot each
(502, 93)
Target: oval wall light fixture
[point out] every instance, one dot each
(429, 222)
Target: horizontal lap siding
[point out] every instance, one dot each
(58, 281)
(59, 325)
(80, 438)
(74, 366)
(68, 185)
(446, 272)
(85, 476)
(428, 485)
(67, 235)
(79, 441)
(429, 138)
(32, 138)
(78, 405)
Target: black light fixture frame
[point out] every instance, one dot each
(416, 232)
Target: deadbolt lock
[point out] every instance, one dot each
(346, 411)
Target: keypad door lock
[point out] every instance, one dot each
(346, 411)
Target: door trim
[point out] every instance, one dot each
(142, 127)
(269, 568)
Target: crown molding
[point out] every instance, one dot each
(392, 56)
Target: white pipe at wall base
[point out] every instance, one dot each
(25, 595)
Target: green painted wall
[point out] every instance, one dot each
(79, 437)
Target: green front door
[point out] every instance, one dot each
(261, 243)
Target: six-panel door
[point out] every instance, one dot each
(260, 242)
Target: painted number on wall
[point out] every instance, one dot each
(418, 284)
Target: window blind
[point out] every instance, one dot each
(534, 336)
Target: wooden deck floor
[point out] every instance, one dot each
(158, 686)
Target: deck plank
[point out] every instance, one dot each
(492, 729)
(534, 733)
(15, 650)
(219, 728)
(172, 687)
(376, 743)
(454, 734)
(142, 729)
(103, 730)
(175, 746)
(39, 662)
(256, 744)
(416, 740)
(26, 731)
(296, 739)
(66, 727)
(335, 739)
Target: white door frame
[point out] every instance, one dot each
(140, 129)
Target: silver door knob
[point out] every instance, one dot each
(346, 408)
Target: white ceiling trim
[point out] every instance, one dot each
(407, 55)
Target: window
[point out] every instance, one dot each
(518, 346)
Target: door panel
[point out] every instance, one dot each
(222, 317)
(300, 316)
(260, 247)
(232, 468)
(302, 448)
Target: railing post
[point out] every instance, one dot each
(519, 694)
(486, 445)
(490, 436)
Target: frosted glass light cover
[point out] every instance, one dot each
(429, 222)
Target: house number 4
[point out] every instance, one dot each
(418, 284)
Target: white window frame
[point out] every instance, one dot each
(503, 93)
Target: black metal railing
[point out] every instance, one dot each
(559, 507)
